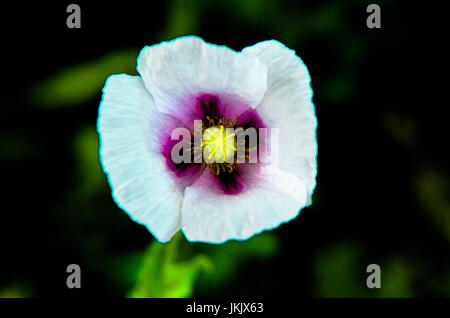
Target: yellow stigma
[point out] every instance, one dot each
(218, 144)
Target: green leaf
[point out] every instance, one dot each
(338, 272)
(161, 276)
(182, 19)
(227, 258)
(432, 188)
(396, 279)
(88, 175)
(77, 84)
(124, 269)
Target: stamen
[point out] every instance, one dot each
(218, 145)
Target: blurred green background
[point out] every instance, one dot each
(382, 191)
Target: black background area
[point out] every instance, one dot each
(366, 178)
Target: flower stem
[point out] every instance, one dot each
(171, 249)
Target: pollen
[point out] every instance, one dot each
(219, 145)
(218, 138)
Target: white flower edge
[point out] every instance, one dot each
(154, 200)
(188, 65)
(287, 105)
(128, 125)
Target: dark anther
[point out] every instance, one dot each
(228, 180)
(210, 107)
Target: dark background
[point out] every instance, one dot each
(382, 191)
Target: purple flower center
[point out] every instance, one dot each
(215, 111)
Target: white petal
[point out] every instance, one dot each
(128, 127)
(175, 70)
(213, 217)
(287, 105)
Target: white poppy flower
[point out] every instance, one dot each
(186, 79)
